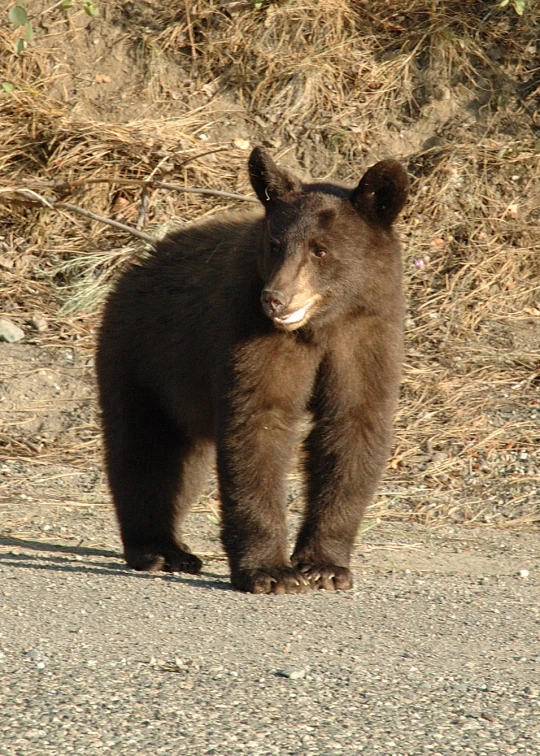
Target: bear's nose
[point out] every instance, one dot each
(273, 302)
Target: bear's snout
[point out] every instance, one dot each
(274, 302)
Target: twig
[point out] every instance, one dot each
(209, 192)
(190, 33)
(32, 196)
(109, 221)
(200, 155)
(65, 185)
(143, 210)
(47, 10)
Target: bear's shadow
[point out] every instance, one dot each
(53, 560)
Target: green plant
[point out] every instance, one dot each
(517, 5)
(18, 16)
(88, 6)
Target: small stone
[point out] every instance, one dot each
(291, 673)
(34, 654)
(10, 332)
(39, 322)
(523, 573)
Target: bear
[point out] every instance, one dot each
(218, 345)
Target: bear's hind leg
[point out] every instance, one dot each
(155, 473)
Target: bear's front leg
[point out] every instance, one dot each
(253, 462)
(341, 479)
(345, 454)
(257, 434)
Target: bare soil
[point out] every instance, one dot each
(435, 650)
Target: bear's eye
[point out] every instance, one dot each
(318, 251)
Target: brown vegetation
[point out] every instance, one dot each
(176, 92)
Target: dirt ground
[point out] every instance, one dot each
(435, 650)
(49, 413)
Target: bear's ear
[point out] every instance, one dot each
(382, 192)
(270, 182)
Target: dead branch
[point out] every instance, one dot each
(31, 196)
(150, 184)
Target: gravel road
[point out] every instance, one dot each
(436, 651)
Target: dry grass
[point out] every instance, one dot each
(340, 73)
(450, 87)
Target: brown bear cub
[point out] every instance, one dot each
(217, 345)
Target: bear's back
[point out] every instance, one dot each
(170, 316)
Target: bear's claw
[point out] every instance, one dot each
(328, 577)
(276, 580)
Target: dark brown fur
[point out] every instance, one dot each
(222, 340)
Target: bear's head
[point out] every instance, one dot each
(328, 250)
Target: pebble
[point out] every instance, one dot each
(10, 332)
(39, 322)
(523, 573)
(34, 654)
(292, 673)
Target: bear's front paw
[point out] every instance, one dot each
(154, 557)
(329, 577)
(277, 580)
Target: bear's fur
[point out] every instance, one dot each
(221, 341)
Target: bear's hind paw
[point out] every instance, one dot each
(153, 558)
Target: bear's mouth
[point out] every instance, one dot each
(296, 318)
